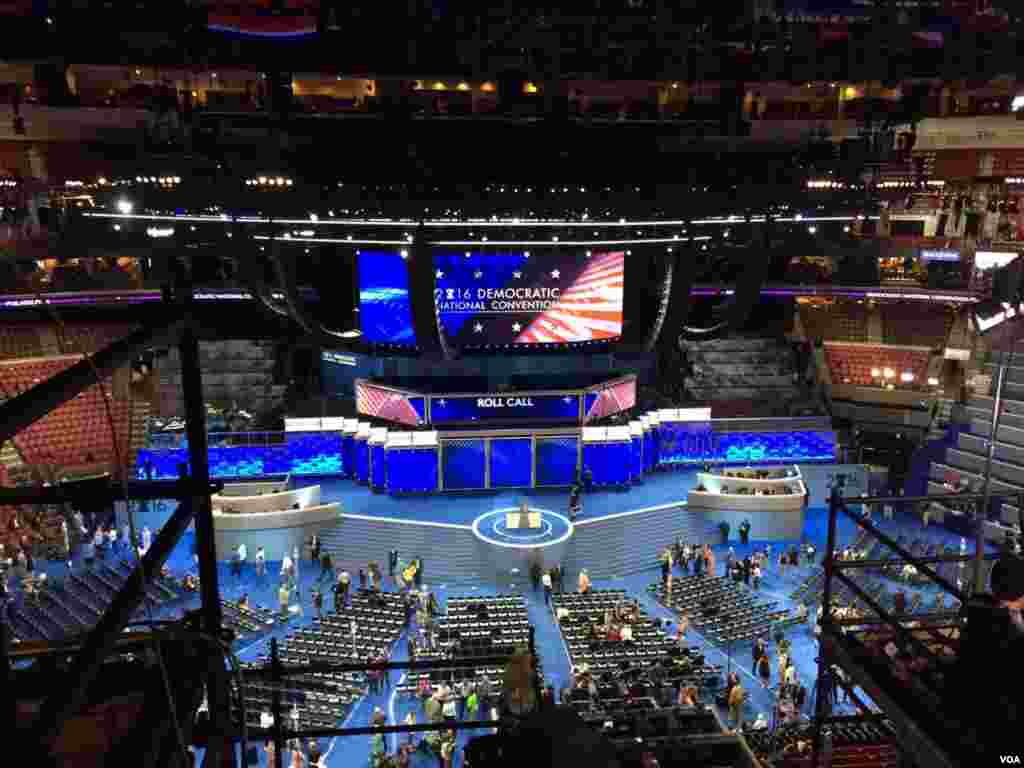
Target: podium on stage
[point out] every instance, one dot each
(522, 518)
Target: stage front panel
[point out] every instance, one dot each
(511, 462)
(464, 464)
(412, 470)
(557, 459)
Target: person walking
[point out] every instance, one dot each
(318, 601)
(283, 597)
(392, 563)
(764, 670)
(243, 555)
(344, 582)
(362, 580)
(584, 582)
(261, 563)
(535, 575)
(326, 567)
(314, 549)
(546, 580)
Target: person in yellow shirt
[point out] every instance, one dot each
(736, 696)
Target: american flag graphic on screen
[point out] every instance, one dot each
(385, 404)
(590, 310)
(612, 399)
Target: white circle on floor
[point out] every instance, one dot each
(479, 523)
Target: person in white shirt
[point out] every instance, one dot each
(243, 553)
(626, 633)
(261, 561)
(546, 581)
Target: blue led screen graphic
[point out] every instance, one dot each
(511, 462)
(679, 445)
(378, 468)
(305, 455)
(505, 408)
(385, 314)
(524, 298)
(464, 464)
(556, 459)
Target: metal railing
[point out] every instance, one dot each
(276, 673)
(907, 627)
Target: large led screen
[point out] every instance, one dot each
(385, 314)
(390, 404)
(529, 298)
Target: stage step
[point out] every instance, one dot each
(449, 553)
(630, 543)
(615, 546)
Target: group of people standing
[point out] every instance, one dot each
(681, 553)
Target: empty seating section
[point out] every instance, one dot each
(857, 365)
(912, 324)
(18, 341)
(318, 700)
(246, 621)
(321, 699)
(854, 745)
(840, 321)
(73, 606)
(474, 627)
(720, 609)
(578, 613)
(81, 338)
(79, 427)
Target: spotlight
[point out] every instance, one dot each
(125, 206)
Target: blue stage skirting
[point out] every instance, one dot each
(498, 462)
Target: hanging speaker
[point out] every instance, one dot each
(683, 275)
(420, 265)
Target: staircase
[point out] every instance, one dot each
(607, 547)
(967, 458)
(732, 369)
(450, 553)
(630, 542)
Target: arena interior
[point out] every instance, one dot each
(630, 387)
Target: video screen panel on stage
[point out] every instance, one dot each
(529, 298)
(464, 409)
(385, 314)
(390, 404)
(511, 462)
(464, 464)
(612, 398)
(557, 459)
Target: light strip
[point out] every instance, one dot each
(540, 243)
(726, 221)
(222, 218)
(332, 240)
